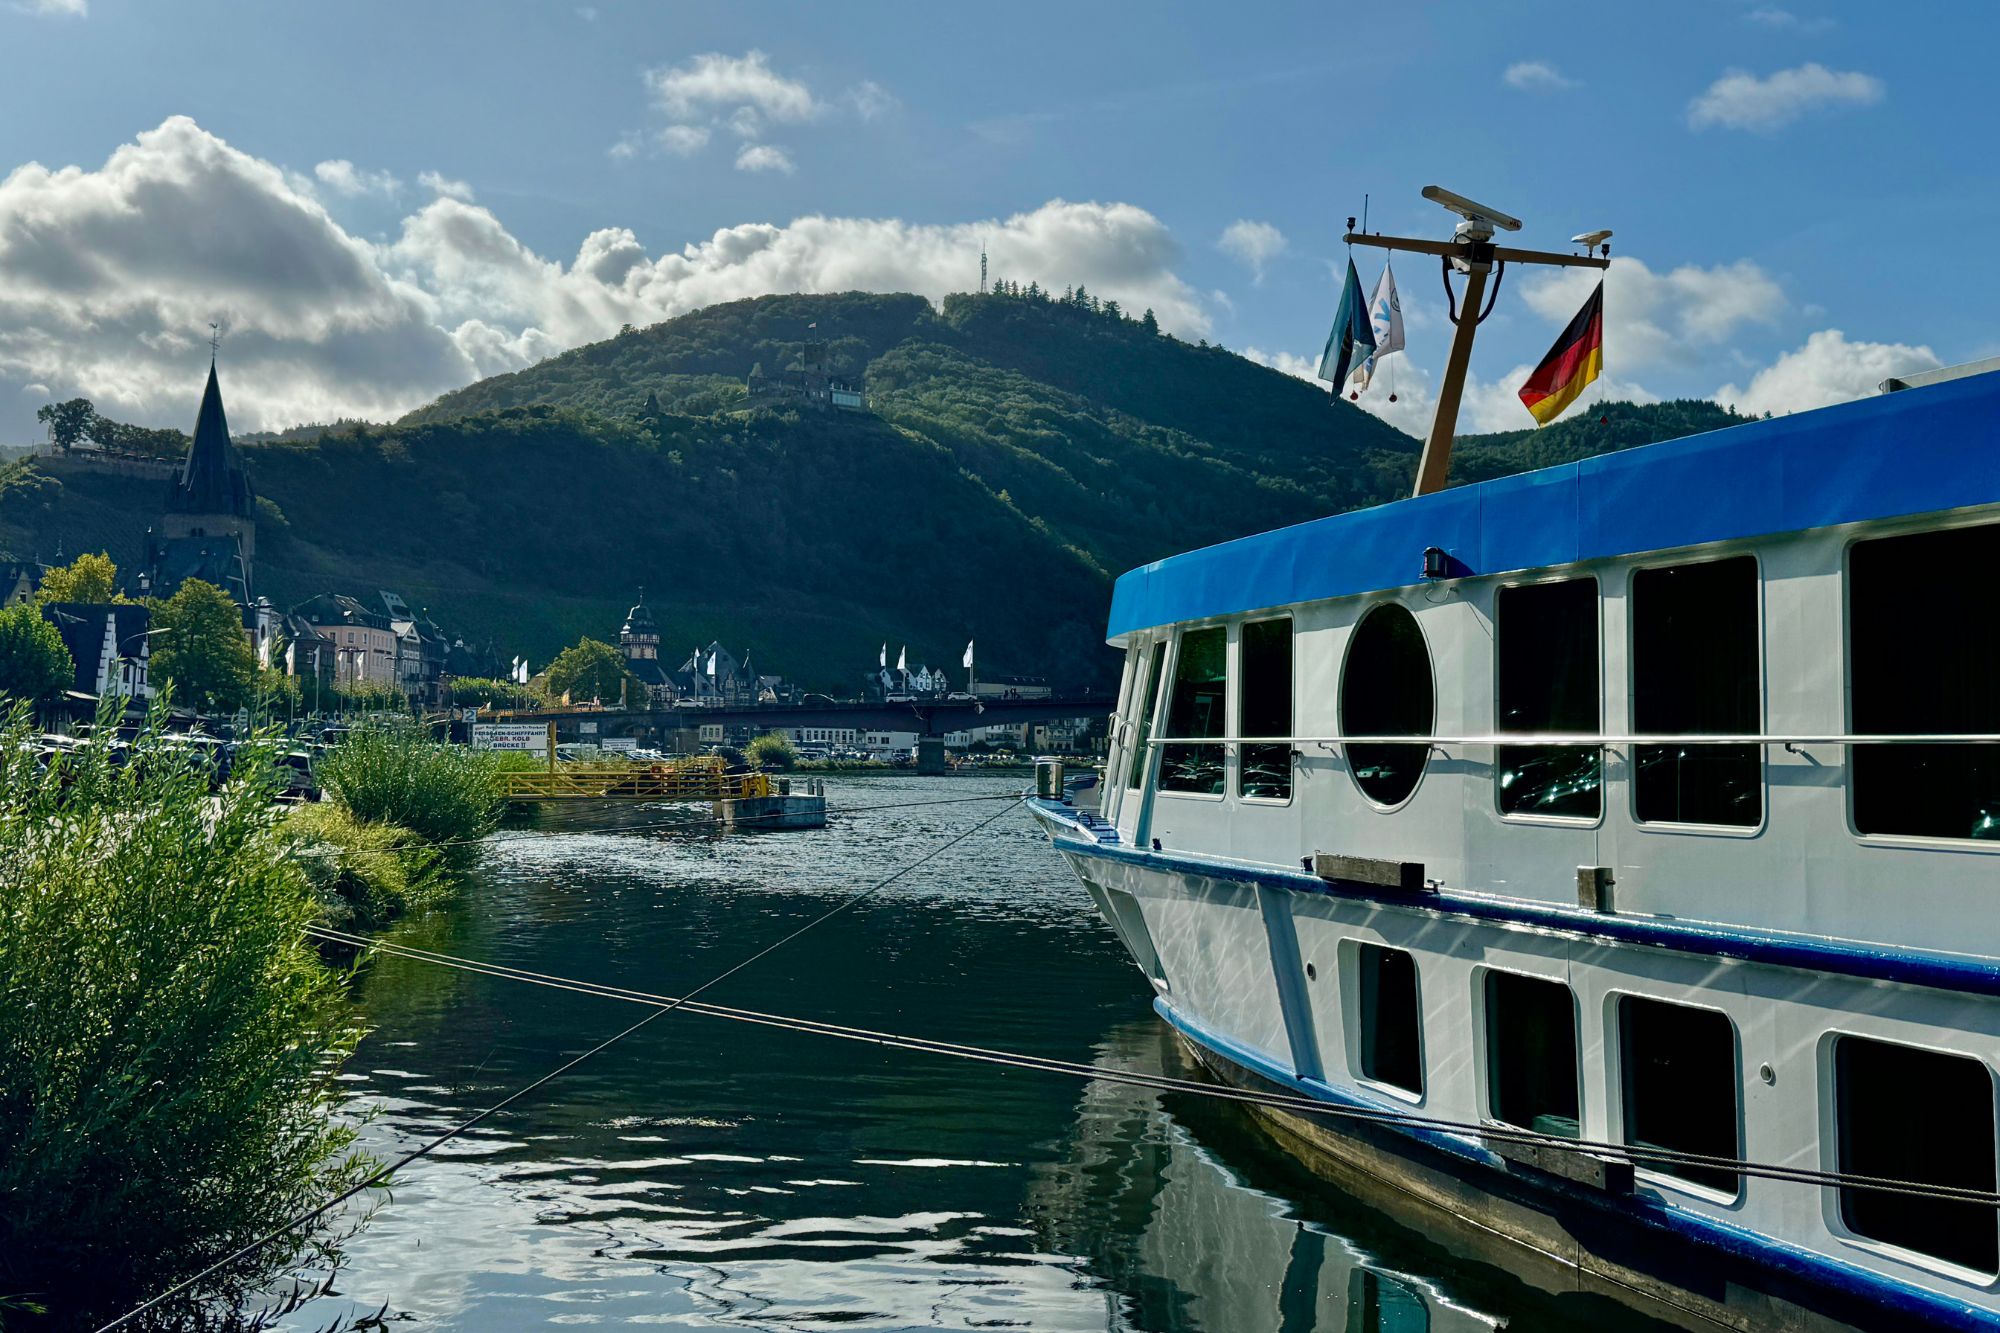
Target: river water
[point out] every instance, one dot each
(711, 1175)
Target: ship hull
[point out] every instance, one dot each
(1222, 952)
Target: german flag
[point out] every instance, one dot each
(1571, 364)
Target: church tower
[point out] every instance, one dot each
(211, 496)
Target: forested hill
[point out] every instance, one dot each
(1016, 455)
(1125, 443)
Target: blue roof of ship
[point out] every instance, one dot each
(1911, 452)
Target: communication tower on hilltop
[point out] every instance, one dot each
(982, 266)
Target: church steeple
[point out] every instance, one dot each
(212, 482)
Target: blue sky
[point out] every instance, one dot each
(1790, 180)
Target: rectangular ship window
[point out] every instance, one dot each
(1904, 1113)
(1679, 1071)
(1548, 673)
(1694, 670)
(1264, 708)
(1147, 690)
(1921, 649)
(1195, 709)
(1392, 1049)
(1531, 1054)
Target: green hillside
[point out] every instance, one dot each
(1018, 453)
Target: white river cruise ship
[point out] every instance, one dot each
(1610, 855)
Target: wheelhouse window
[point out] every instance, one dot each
(1681, 1086)
(1531, 1054)
(1908, 1114)
(1386, 690)
(1195, 709)
(1391, 1019)
(1548, 682)
(1147, 690)
(1921, 651)
(1264, 708)
(1695, 670)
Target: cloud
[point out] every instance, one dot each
(1535, 76)
(54, 8)
(682, 140)
(1828, 369)
(445, 186)
(1772, 17)
(1740, 100)
(110, 276)
(343, 177)
(763, 157)
(716, 83)
(870, 99)
(588, 13)
(1254, 243)
(1674, 318)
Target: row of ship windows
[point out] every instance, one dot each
(1921, 662)
(1681, 1091)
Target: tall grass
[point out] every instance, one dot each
(445, 794)
(168, 1037)
(364, 875)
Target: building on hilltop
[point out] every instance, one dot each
(209, 528)
(806, 380)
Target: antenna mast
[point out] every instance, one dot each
(982, 266)
(1471, 251)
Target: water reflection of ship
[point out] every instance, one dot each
(1185, 1242)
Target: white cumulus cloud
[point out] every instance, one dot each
(1828, 369)
(715, 82)
(54, 8)
(1739, 100)
(1676, 317)
(445, 186)
(682, 140)
(763, 157)
(1535, 76)
(1254, 243)
(343, 177)
(110, 276)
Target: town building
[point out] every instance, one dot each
(110, 645)
(363, 640)
(639, 641)
(18, 581)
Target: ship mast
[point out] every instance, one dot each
(1470, 251)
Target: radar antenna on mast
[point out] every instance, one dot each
(1470, 251)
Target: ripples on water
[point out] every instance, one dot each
(703, 1174)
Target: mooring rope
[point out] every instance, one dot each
(660, 1009)
(1635, 1153)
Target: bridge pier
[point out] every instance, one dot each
(930, 756)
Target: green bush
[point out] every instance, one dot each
(363, 874)
(771, 750)
(446, 795)
(169, 1039)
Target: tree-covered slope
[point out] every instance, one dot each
(1018, 453)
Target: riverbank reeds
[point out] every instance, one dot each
(169, 1038)
(447, 795)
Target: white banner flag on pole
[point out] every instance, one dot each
(967, 662)
(1385, 316)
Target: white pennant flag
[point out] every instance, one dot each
(883, 660)
(1385, 316)
(711, 664)
(903, 658)
(967, 661)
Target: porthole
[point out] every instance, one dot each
(1386, 690)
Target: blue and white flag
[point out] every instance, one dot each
(1385, 321)
(1353, 338)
